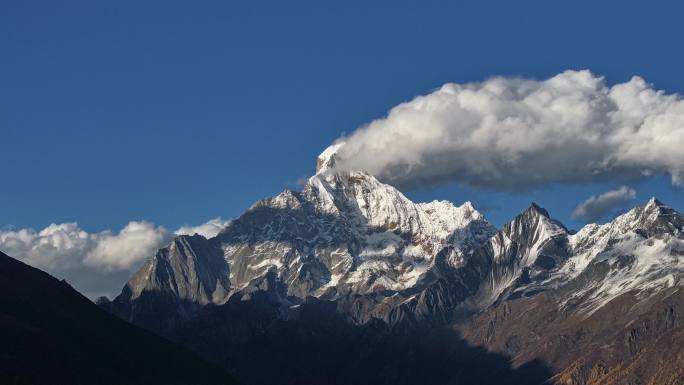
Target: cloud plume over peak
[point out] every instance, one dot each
(512, 133)
(208, 229)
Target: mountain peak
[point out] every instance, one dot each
(326, 160)
(537, 216)
(536, 209)
(654, 202)
(470, 211)
(654, 209)
(468, 205)
(654, 218)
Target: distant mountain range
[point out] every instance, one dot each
(51, 334)
(349, 282)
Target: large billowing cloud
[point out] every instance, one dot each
(597, 207)
(511, 133)
(95, 263)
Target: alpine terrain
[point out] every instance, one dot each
(349, 282)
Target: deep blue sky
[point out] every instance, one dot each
(177, 112)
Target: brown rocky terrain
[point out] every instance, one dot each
(628, 341)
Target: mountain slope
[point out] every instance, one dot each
(613, 313)
(628, 341)
(524, 250)
(344, 236)
(317, 345)
(53, 335)
(360, 257)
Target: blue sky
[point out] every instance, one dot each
(176, 113)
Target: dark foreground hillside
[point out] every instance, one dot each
(51, 334)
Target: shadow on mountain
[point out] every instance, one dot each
(314, 344)
(263, 340)
(51, 334)
(301, 228)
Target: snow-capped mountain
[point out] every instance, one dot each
(612, 310)
(349, 240)
(346, 234)
(527, 249)
(343, 234)
(640, 251)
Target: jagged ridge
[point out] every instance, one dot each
(360, 245)
(345, 235)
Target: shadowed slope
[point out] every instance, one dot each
(51, 334)
(315, 344)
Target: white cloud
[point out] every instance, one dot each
(65, 246)
(58, 246)
(207, 230)
(95, 263)
(134, 243)
(596, 207)
(510, 133)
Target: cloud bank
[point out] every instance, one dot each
(95, 263)
(66, 246)
(596, 207)
(512, 134)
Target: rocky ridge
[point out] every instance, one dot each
(350, 241)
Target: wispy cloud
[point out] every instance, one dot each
(208, 229)
(511, 133)
(598, 206)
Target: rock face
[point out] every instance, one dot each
(365, 260)
(344, 236)
(612, 313)
(526, 250)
